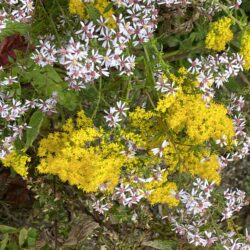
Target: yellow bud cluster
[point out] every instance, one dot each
(78, 7)
(245, 48)
(81, 155)
(18, 162)
(219, 34)
(200, 121)
(188, 124)
(164, 194)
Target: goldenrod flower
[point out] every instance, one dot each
(78, 7)
(245, 48)
(18, 162)
(219, 34)
(82, 156)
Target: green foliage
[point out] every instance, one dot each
(35, 124)
(7, 229)
(18, 239)
(46, 81)
(14, 27)
(93, 13)
(162, 245)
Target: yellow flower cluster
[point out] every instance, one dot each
(81, 155)
(188, 124)
(18, 162)
(164, 194)
(199, 162)
(200, 122)
(161, 191)
(219, 34)
(88, 158)
(78, 7)
(245, 48)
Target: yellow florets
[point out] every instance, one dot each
(164, 194)
(78, 7)
(219, 34)
(245, 48)
(82, 156)
(89, 158)
(18, 162)
(201, 122)
(187, 123)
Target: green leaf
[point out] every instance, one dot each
(161, 244)
(93, 13)
(47, 81)
(233, 85)
(172, 41)
(53, 75)
(32, 237)
(14, 27)
(22, 236)
(68, 99)
(4, 242)
(108, 8)
(6, 229)
(46, 247)
(148, 68)
(35, 123)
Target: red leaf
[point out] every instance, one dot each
(9, 45)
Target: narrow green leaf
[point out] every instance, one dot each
(108, 8)
(22, 236)
(6, 229)
(4, 242)
(35, 123)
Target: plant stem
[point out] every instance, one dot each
(223, 7)
(56, 221)
(150, 99)
(129, 87)
(52, 23)
(102, 98)
(149, 63)
(99, 98)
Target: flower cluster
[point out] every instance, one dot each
(198, 201)
(193, 220)
(12, 111)
(163, 84)
(101, 206)
(115, 114)
(18, 162)
(190, 112)
(127, 195)
(45, 53)
(235, 200)
(95, 160)
(179, 127)
(245, 48)
(16, 10)
(85, 62)
(219, 34)
(242, 140)
(102, 6)
(215, 70)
